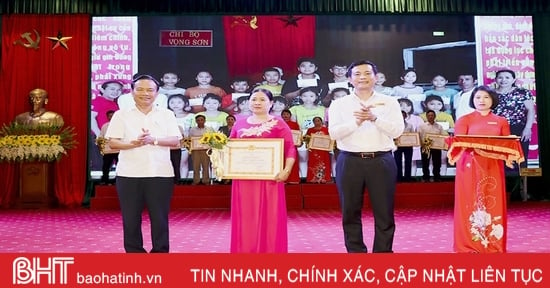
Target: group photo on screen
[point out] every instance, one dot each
(208, 65)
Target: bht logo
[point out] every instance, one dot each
(30, 271)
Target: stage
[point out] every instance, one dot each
(418, 230)
(200, 222)
(298, 196)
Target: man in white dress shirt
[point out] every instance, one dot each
(144, 135)
(364, 125)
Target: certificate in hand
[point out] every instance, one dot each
(438, 141)
(320, 142)
(197, 145)
(297, 137)
(408, 139)
(259, 159)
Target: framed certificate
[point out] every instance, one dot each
(438, 141)
(320, 142)
(259, 159)
(197, 145)
(530, 171)
(297, 137)
(408, 139)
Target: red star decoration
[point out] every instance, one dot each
(60, 41)
(290, 20)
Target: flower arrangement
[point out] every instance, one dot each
(24, 143)
(185, 142)
(426, 145)
(214, 139)
(305, 139)
(101, 143)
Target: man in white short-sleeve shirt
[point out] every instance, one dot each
(145, 177)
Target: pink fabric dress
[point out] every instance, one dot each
(480, 195)
(258, 207)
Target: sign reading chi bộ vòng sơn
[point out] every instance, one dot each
(185, 38)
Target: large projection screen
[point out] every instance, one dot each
(234, 46)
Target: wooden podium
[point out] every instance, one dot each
(506, 148)
(36, 185)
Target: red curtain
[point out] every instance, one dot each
(65, 74)
(251, 42)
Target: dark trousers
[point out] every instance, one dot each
(108, 160)
(517, 129)
(398, 155)
(435, 155)
(134, 195)
(94, 154)
(377, 175)
(175, 158)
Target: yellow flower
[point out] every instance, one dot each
(214, 139)
(101, 142)
(426, 145)
(205, 138)
(218, 138)
(185, 143)
(43, 143)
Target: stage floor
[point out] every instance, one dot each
(299, 196)
(419, 230)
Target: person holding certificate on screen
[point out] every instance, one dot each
(294, 177)
(429, 152)
(258, 207)
(404, 154)
(318, 163)
(480, 192)
(364, 125)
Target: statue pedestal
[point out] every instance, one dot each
(36, 185)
